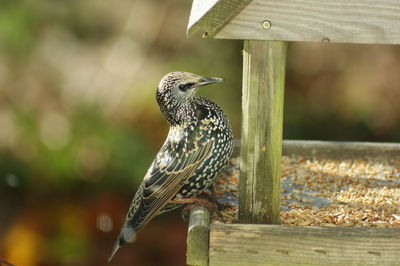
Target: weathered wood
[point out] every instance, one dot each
(212, 15)
(337, 150)
(264, 64)
(198, 234)
(342, 150)
(246, 244)
(349, 21)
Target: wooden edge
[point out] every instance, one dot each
(198, 236)
(339, 21)
(304, 231)
(338, 150)
(342, 150)
(211, 16)
(253, 244)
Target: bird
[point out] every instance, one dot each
(197, 149)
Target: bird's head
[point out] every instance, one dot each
(181, 86)
(176, 91)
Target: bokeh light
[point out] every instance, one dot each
(79, 124)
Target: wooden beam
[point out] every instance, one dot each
(197, 239)
(212, 15)
(264, 64)
(348, 21)
(336, 150)
(342, 150)
(246, 244)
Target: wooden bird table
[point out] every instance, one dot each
(266, 26)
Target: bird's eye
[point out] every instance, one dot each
(185, 87)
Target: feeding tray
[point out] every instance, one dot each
(339, 205)
(343, 197)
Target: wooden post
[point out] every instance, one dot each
(198, 234)
(264, 64)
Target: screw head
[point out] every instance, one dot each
(325, 40)
(266, 24)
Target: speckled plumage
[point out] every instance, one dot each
(198, 146)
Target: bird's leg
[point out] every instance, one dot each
(209, 195)
(194, 201)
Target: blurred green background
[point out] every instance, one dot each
(79, 124)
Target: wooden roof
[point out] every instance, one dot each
(350, 21)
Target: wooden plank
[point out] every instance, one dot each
(261, 141)
(211, 15)
(337, 150)
(349, 21)
(197, 239)
(342, 150)
(246, 244)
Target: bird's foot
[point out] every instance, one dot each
(210, 205)
(209, 196)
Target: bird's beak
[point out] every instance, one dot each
(206, 80)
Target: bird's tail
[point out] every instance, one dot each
(114, 250)
(117, 245)
(128, 235)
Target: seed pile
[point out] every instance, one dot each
(326, 192)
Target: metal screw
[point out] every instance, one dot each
(325, 39)
(266, 24)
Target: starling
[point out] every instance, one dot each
(198, 146)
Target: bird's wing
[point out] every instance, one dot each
(174, 165)
(164, 179)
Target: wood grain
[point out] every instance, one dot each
(342, 150)
(349, 21)
(337, 150)
(247, 244)
(264, 64)
(211, 15)
(198, 234)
